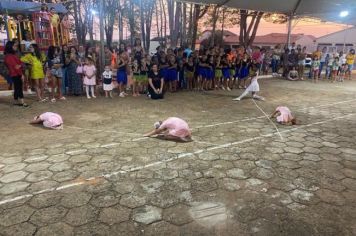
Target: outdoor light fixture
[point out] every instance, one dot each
(94, 12)
(344, 13)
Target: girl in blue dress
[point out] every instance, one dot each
(226, 72)
(172, 73)
(121, 75)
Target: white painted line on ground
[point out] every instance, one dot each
(179, 156)
(327, 105)
(267, 116)
(109, 145)
(99, 130)
(208, 126)
(260, 117)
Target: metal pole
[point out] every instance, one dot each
(102, 43)
(290, 17)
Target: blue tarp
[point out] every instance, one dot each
(7, 6)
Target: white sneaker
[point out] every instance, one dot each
(94, 96)
(228, 89)
(236, 99)
(223, 88)
(122, 95)
(88, 97)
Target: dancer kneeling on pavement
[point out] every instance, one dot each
(49, 120)
(254, 87)
(172, 128)
(284, 116)
(155, 83)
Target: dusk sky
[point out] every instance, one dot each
(306, 27)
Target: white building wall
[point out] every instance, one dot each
(338, 39)
(308, 42)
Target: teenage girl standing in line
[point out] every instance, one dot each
(36, 59)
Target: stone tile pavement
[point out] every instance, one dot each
(100, 177)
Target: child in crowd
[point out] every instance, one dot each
(136, 77)
(232, 66)
(202, 73)
(226, 73)
(144, 69)
(210, 73)
(163, 69)
(57, 75)
(329, 61)
(244, 71)
(293, 74)
(107, 81)
(89, 72)
(253, 88)
(189, 70)
(315, 68)
(342, 72)
(172, 74)
(121, 76)
(218, 72)
(335, 67)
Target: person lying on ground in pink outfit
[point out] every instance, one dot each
(284, 116)
(49, 120)
(172, 128)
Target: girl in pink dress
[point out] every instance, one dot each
(284, 116)
(89, 72)
(49, 120)
(172, 128)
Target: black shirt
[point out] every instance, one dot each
(156, 79)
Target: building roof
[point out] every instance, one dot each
(227, 33)
(323, 9)
(273, 38)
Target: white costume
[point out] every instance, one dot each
(253, 88)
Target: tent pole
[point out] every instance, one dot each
(6, 19)
(290, 17)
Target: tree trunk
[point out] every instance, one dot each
(171, 19)
(157, 20)
(255, 27)
(142, 23)
(195, 25)
(165, 23)
(215, 19)
(120, 21)
(175, 30)
(189, 43)
(222, 26)
(248, 31)
(184, 24)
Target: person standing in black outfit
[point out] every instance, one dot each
(14, 66)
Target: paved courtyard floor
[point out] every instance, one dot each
(99, 176)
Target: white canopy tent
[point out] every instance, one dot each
(326, 10)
